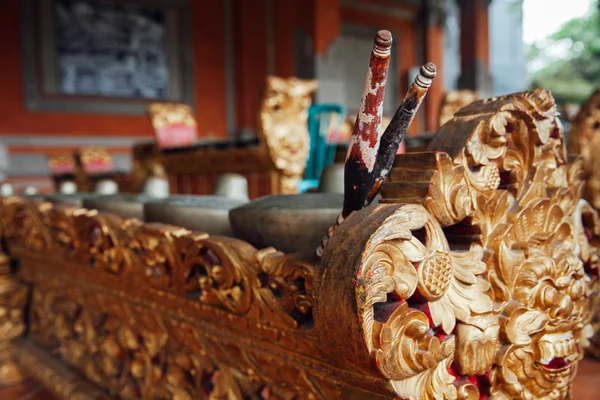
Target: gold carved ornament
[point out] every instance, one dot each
(163, 115)
(92, 158)
(283, 120)
(13, 300)
(584, 139)
(61, 163)
(174, 124)
(453, 101)
(110, 304)
(469, 280)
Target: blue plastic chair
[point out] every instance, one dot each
(324, 124)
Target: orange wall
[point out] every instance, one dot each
(250, 59)
(209, 83)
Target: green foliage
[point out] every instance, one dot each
(571, 77)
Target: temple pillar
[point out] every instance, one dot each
(435, 17)
(327, 16)
(474, 46)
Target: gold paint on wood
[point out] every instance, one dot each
(453, 101)
(477, 286)
(163, 115)
(284, 127)
(13, 300)
(472, 278)
(273, 166)
(584, 139)
(61, 381)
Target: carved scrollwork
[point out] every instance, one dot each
(103, 242)
(266, 286)
(411, 292)
(474, 278)
(484, 288)
(23, 223)
(287, 282)
(215, 269)
(154, 249)
(121, 351)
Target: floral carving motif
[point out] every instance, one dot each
(267, 286)
(102, 244)
(483, 287)
(434, 288)
(480, 284)
(132, 357)
(22, 222)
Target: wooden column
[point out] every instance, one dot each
(474, 46)
(435, 16)
(250, 28)
(327, 15)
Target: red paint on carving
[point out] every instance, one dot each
(366, 129)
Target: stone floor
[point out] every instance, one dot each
(586, 387)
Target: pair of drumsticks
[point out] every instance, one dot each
(371, 155)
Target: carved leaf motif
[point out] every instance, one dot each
(385, 269)
(522, 323)
(449, 201)
(218, 273)
(406, 347)
(286, 295)
(103, 240)
(155, 250)
(429, 385)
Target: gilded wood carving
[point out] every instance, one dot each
(472, 279)
(584, 139)
(453, 101)
(174, 124)
(274, 164)
(156, 311)
(469, 281)
(284, 126)
(13, 300)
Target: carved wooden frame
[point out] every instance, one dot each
(39, 75)
(471, 279)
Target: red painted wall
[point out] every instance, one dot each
(250, 53)
(209, 80)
